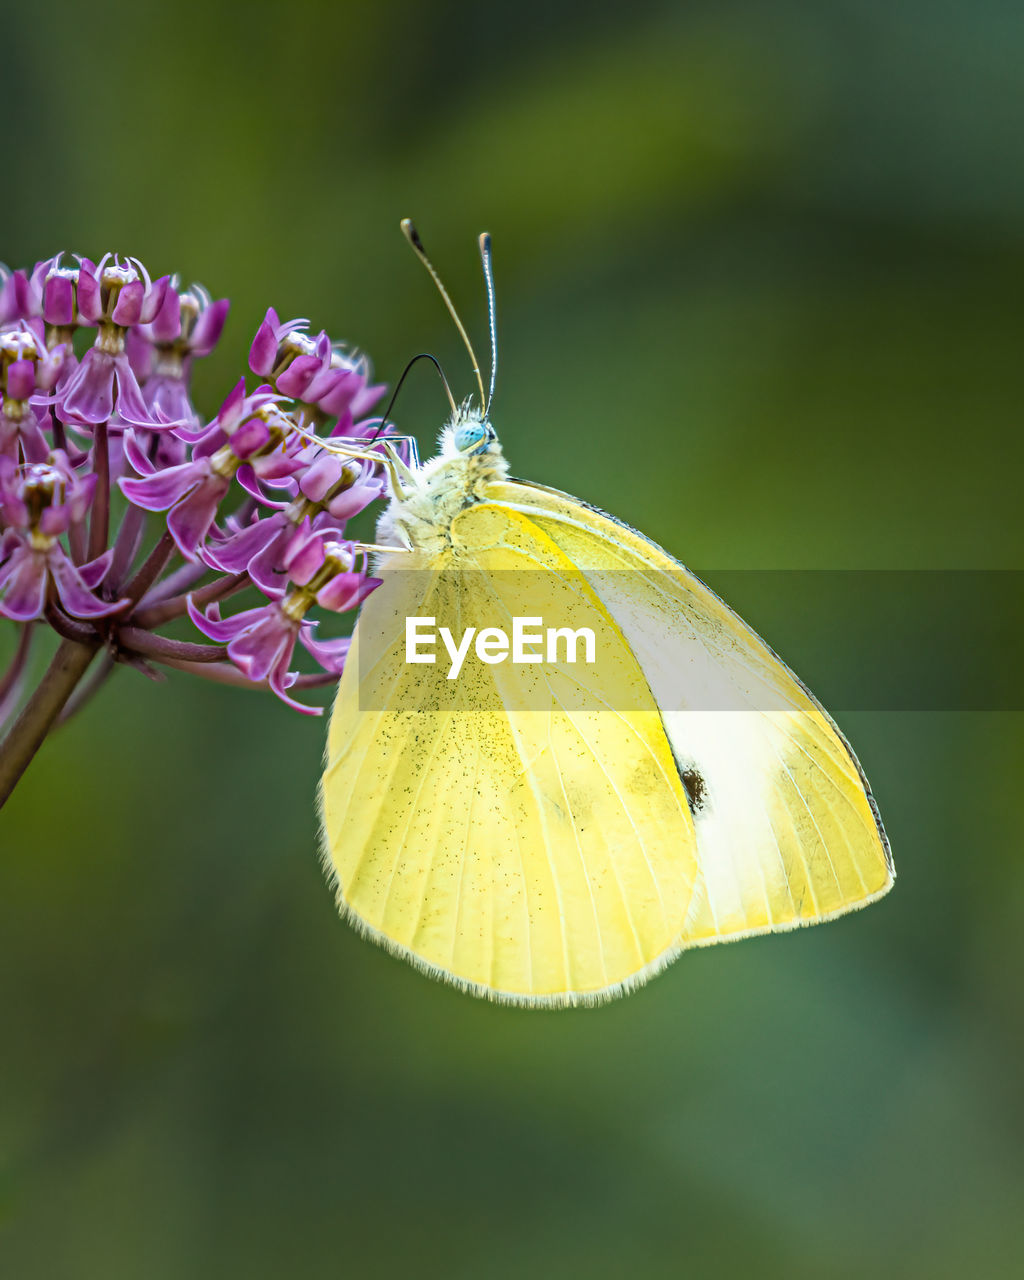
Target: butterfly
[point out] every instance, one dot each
(555, 834)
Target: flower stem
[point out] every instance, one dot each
(138, 640)
(98, 677)
(151, 569)
(184, 576)
(176, 606)
(226, 674)
(99, 523)
(38, 715)
(126, 545)
(13, 678)
(18, 661)
(69, 628)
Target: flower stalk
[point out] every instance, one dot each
(37, 717)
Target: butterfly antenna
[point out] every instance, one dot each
(424, 355)
(412, 235)
(492, 318)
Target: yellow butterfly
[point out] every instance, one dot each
(555, 833)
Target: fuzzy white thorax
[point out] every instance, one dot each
(441, 488)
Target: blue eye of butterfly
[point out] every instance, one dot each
(474, 433)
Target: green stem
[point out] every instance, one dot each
(38, 715)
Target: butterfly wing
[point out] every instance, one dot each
(522, 831)
(787, 829)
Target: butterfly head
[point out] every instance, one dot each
(470, 448)
(473, 435)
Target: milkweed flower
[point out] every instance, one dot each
(38, 503)
(329, 493)
(320, 570)
(123, 508)
(27, 367)
(332, 383)
(113, 296)
(187, 325)
(249, 430)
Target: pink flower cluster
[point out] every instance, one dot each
(123, 510)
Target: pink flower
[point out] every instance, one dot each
(188, 324)
(118, 292)
(249, 497)
(249, 430)
(113, 295)
(26, 367)
(330, 492)
(311, 370)
(260, 642)
(37, 504)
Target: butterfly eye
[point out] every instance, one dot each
(474, 436)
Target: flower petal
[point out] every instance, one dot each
(21, 379)
(251, 435)
(330, 654)
(23, 585)
(365, 399)
(337, 395)
(263, 351)
(59, 300)
(88, 395)
(162, 489)
(93, 573)
(26, 431)
(128, 308)
(220, 629)
(137, 454)
(90, 303)
(75, 596)
(155, 295)
(303, 558)
(345, 591)
(189, 520)
(166, 324)
(131, 407)
(209, 327)
(298, 376)
(264, 645)
(140, 353)
(234, 554)
(167, 397)
(354, 500)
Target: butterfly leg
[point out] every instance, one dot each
(400, 469)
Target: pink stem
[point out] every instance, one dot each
(138, 640)
(227, 674)
(99, 523)
(176, 606)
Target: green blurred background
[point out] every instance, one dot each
(759, 273)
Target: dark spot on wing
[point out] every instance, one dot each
(696, 790)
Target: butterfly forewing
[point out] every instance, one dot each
(522, 830)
